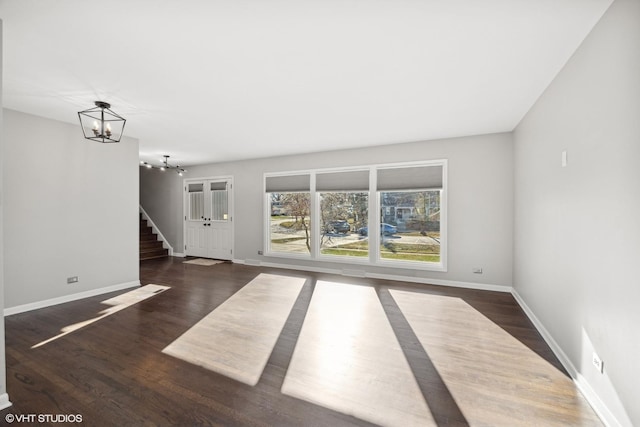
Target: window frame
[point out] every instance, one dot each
(266, 246)
(374, 217)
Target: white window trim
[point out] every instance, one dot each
(374, 259)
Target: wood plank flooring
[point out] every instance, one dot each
(113, 371)
(237, 338)
(348, 358)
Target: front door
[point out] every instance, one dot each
(208, 218)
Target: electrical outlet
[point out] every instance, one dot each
(260, 253)
(598, 363)
(73, 279)
(477, 270)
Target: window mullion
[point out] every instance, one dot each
(314, 214)
(374, 217)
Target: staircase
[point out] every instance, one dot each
(150, 246)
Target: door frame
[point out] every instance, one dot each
(230, 201)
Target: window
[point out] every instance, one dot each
(413, 233)
(409, 199)
(344, 212)
(343, 218)
(219, 201)
(332, 214)
(196, 201)
(289, 226)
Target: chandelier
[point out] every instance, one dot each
(165, 166)
(101, 124)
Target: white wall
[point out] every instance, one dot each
(71, 209)
(577, 229)
(480, 202)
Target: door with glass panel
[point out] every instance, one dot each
(208, 218)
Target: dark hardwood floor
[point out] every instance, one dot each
(113, 373)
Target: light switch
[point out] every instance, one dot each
(564, 159)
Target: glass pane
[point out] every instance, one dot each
(410, 225)
(195, 188)
(219, 211)
(196, 205)
(289, 223)
(344, 230)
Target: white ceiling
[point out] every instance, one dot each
(209, 81)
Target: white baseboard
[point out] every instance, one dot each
(179, 254)
(247, 262)
(362, 273)
(68, 298)
(300, 267)
(440, 282)
(583, 385)
(4, 401)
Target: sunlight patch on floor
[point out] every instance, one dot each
(494, 378)
(117, 303)
(237, 338)
(348, 359)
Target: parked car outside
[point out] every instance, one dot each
(339, 226)
(386, 229)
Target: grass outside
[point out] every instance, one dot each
(344, 252)
(410, 256)
(404, 252)
(384, 255)
(294, 225)
(287, 239)
(411, 248)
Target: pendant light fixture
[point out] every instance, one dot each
(101, 124)
(165, 166)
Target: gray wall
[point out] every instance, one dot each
(161, 198)
(3, 375)
(71, 209)
(480, 202)
(577, 229)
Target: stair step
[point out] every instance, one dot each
(152, 250)
(154, 253)
(148, 237)
(150, 246)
